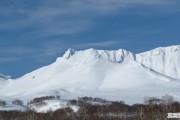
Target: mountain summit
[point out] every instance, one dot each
(111, 74)
(104, 55)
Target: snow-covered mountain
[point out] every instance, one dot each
(114, 75)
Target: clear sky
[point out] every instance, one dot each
(33, 33)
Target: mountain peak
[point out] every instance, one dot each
(69, 53)
(91, 54)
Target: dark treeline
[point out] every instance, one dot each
(92, 109)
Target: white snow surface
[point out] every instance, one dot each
(113, 75)
(165, 60)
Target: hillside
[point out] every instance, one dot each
(114, 75)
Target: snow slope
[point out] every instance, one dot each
(165, 60)
(114, 75)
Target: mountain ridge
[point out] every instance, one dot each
(101, 73)
(93, 54)
(121, 55)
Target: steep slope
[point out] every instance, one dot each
(114, 75)
(164, 60)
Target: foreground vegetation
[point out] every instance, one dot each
(100, 109)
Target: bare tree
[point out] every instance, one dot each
(167, 99)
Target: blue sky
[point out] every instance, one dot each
(34, 33)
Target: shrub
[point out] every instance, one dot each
(167, 99)
(17, 102)
(58, 97)
(100, 100)
(39, 102)
(152, 101)
(73, 102)
(2, 103)
(41, 99)
(33, 105)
